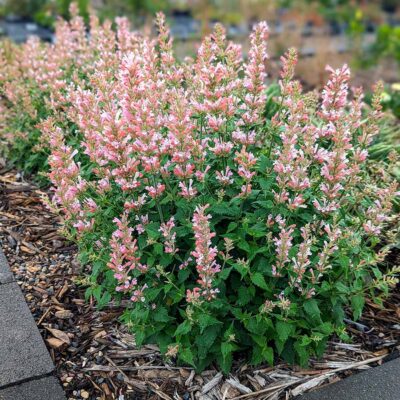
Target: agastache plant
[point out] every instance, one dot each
(36, 80)
(226, 221)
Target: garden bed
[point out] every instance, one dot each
(96, 357)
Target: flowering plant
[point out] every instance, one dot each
(35, 78)
(225, 220)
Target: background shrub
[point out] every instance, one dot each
(35, 79)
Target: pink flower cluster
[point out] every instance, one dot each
(124, 259)
(169, 236)
(205, 255)
(37, 71)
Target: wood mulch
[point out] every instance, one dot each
(96, 357)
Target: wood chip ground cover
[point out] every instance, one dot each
(96, 357)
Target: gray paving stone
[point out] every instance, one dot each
(47, 388)
(23, 354)
(6, 275)
(381, 383)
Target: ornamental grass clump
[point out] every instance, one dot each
(225, 223)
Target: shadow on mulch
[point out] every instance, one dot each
(96, 357)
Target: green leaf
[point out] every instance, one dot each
(183, 328)
(261, 354)
(244, 245)
(312, 310)
(266, 204)
(302, 353)
(206, 340)
(206, 320)
(284, 330)
(97, 293)
(259, 281)
(341, 287)
(338, 313)
(357, 304)
(224, 274)
(326, 328)
(377, 273)
(226, 358)
(258, 327)
(266, 187)
(163, 341)
(263, 164)
(243, 270)
(244, 296)
(344, 261)
(279, 346)
(186, 356)
(97, 267)
(231, 227)
(223, 209)
(268, 355)
(152, 230)
(256, 357)
(161, 314)
(88, 293)
(183, 274)
(104, 300)
(139, 337)
(226, 349)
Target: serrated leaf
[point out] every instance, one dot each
(279, 346)
(206, 320)
(225, 363)
(341, 287)
(326, 328)
(258, 280)
(268, 355)
(256, 356)
(183, 274)
(261, 354)
(97, 267)
(221, 209)
(226, 349)
(258, 327)
(312, 310)
(302, 353)
(152, 230)
(183, 328)
(266, 187)
(243, 245)
(104, 300)
(186, 356)
(224, 274)
(161, 314)
(357, 304)
(284, 330)
(206, 340)
(244, 296)
(139, 337)
(266, 204)
(344, 261)
(231, 227)
(243, 270)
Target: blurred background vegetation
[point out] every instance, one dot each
(364, 33)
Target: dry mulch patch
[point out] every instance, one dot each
(96, 357)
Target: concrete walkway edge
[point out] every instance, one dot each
(26, 368)
(376, 383)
